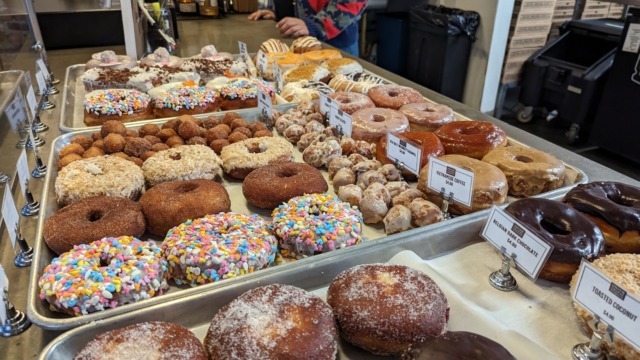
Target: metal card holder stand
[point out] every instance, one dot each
(4, 178)
(16, 322)
(446, 200)
(592, 350)
(31, 207)
(24, 257)
(502, 279)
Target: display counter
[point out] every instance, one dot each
(224, 34)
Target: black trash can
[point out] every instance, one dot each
(392, 41)
(440, 41)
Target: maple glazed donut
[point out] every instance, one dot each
(385, 308)
(273, 322)
(426, 116)
(373, 123)
(615, 208)
(471, 138)
(241, 158)
(427, 141)
(458, 345)
(394, 96)
(270, 186)
(351, 102)
(103, 274)
(572, 235)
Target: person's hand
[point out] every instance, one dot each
(291, 26)
(262, 14)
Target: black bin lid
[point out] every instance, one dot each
(610, 27)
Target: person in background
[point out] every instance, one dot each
(332, 21)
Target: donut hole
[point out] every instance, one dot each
(286, 173)
(175, 157)
(524, 159)
(393, 93)
(470, 131)
(185, 188)
(255, 149)
(95, 215)
(553, 228)
(377, 118)
(345, 100)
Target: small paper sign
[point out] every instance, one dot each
(32, 102)
(529, 252)
(23, 170)
(42, 84)
(265, 105)
(326, 103)
(243, 50)
(404, 152)
(453, 180)
(609, 301)
(4, 286)
(262, 62)
(340, 120)
(42, 67)
(278, 73)
(10, 215)
(16, 111)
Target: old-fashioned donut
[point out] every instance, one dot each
(471, 138)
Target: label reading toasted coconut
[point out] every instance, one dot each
(450, 180)
(10, 216)
(265, 105)
(243, 50)
(404, 153)
(16, 111)
(512, 238)
(609, 301)
(340, 120)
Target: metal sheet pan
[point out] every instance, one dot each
(41, 315)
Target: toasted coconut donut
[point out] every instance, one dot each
(184, 162)
(242, 157)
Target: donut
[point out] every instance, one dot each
(529, 171)
(471, 138)
(184, 162)
(273, 46)
(621, 269)
(394, 96)
(308, 73)
(103, 274)
(92, 219)
(304, 90)
(305, 44)
(161, 58)
(170, 204)
(101, 175)
(243, 93)
(316, 223)
(123, 105)
(270, 186)
(218, 246)
(343, 66)
(373, 123)
(572, 235)
(177, 99)
(489, 185)
(426, 116)
(615, 208)
(109, 59)
(317, 57)
(244, 156)
(385, 308)
(273, 322)
(458, 345)
(360, 83)
(351, 102)
(397, 219)
(429, 144)
(169, 341)
(288, 61)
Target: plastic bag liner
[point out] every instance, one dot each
(456, 21)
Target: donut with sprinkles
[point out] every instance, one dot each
(185, 98)
(115, 104)
(243, 93)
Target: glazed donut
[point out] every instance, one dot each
(109, 59)
(177, 99)
(621, 269)
(424, 212)
(426, 116)
(243, 93)
(373, 123)
(169, 340)
(184, 162)
(489, 186)
(615, 208)
(217, 247)
(270, 186)
(572, 235)
(398, 219)
(242, 157)
(458, 345)
(273, 322)
(428, 142)
(351, 102)
(101, 175)
(394, 96)
(170, 204)
(123, 105)
(360, 83)
(92, 219)
(386, 308)
(316, 223)
(471, 138)
(103, 274)
(529, 171)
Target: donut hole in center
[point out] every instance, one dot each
(470, 131)
(176, 157)
(185, 188)
(95, 215)
(393, 93)
(553, 228)
(255, 149)
(377, 118)
(286, 173)
(524, 159)
(345, 100)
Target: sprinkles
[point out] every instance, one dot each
(245, 89)
(188, 97)
(115, 102)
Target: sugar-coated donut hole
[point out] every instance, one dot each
(469, 131)
(524, 159)
(553, 228)
(378, 118)
(95, 215)
(185, 188)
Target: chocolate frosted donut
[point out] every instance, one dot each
(455, 345)
(572, 235)
(615, 208)
(92, 219)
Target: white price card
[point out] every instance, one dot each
(264, 104)
(42, 67)
(262, 62)
(243, 50)
(326, 103)
(609, 301)
(16, 111)
(4, 286)
(278, 73)
(10, 215)
(32, 102)
(23, 170)
(42, 84)
(340, 120)
(506, 233)
(452, 180)
(404, 152)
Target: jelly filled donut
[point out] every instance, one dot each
(217, 247)
(458, 345)
(471, 138)
(351, 102)
(385, 308)
(103, 274)
(373, 123)
(394, 96)
(316, 223)
(426, 116)
(572, 235)
(428, 143)
(615, 208)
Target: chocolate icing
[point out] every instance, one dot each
(459, 345)
(572, 234)
(616, 203)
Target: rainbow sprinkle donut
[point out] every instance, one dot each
(244, 89)
(77, 282)
(115, 102)
(316, 223)
(218, 247)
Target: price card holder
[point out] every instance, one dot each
(4, 287)
(16, 111)
(278, 73)
(452, 181)
(32, 102)
(10, 216)
(405, 153)
(326, 103)
(262, 62)
(265, 105)
(243, 50)
(40, 65)
(24, 175)
(42, 83)
(340, 120)
(14, 321)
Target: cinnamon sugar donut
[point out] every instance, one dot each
(471, 138)
(242, 157)
(184, 162)
(427, 141)
(426, 116)
(372, 123)
(351, 102)
(273, 322)
(394, 96)
(385, 308)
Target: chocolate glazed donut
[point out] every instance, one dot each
(458, 345)
(615, 208)
(572, 235)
